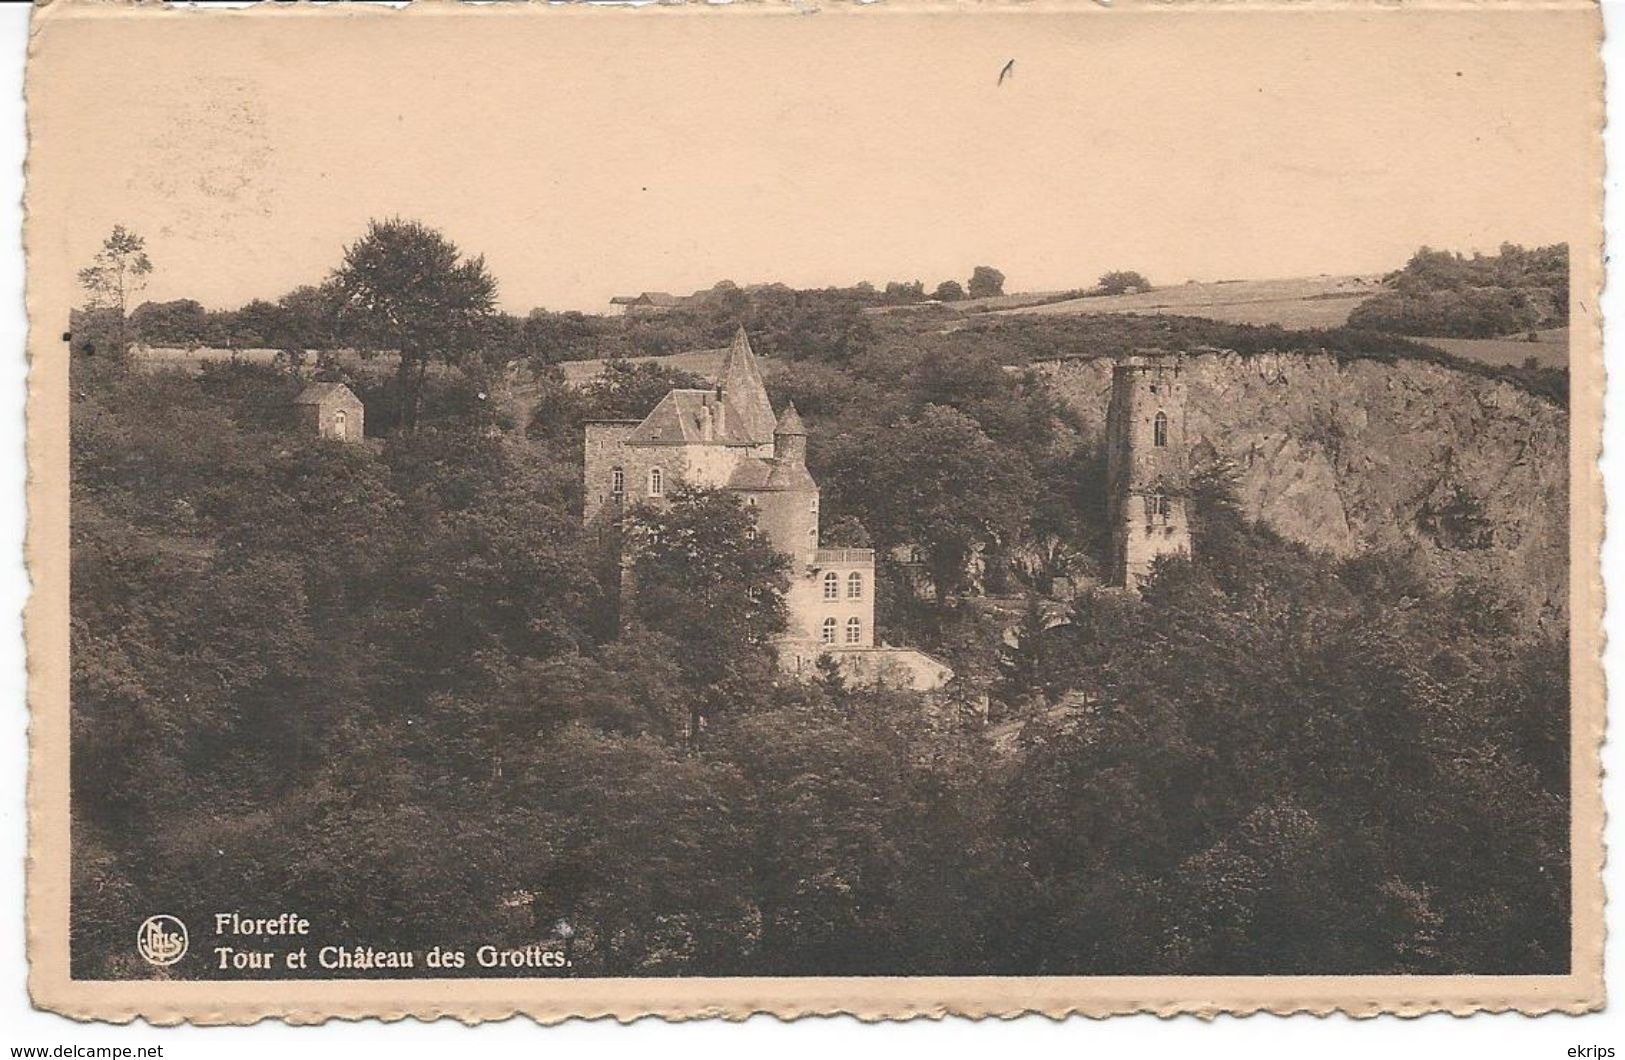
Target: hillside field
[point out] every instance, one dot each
(1550, 349)
(1305, 302)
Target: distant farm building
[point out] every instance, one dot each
(330, 410)
(648, 302)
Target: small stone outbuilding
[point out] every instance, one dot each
(330, 410)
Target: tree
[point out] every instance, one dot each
(631, 389)
(1022, 661)
(986, 282)
(948, 291)
(1123, 282)
(900, 293)
(704, 577)
(935, 482)
(182, 322)
(310, 318)
(406, 287)
(119, 270)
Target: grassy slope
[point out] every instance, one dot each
(1306, 302)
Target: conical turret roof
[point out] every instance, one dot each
(743, 393)
(790, 422)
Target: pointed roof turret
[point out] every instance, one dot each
(790, 422)
(743, 394)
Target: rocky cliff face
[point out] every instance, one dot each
(1469, 473)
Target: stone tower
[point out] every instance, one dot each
(1147, 466)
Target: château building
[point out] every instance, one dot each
(727, 437)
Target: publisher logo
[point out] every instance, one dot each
(161, 940)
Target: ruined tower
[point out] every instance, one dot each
(1147, 466)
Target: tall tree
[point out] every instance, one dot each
(118, 272)
(406, 287)
(705, 578)
(986, 282)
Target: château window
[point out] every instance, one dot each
(657, 482)
(854, 630)
(1165, 508)
(832, 587)
(854, 585)
(829, 631)
(1159, 429)
(617, 482)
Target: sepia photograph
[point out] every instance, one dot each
(666, 510)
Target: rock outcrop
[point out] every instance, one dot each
(1469, 473)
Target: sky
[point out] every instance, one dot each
(588, 153)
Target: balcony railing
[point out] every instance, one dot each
(845, 555)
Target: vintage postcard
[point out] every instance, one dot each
(898, 509)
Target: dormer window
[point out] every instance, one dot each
(657, 482)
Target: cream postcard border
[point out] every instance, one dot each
(553, 1000)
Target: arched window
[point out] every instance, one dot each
(617, 482)
(657, 482)
(854, 585)
(829, 631)
(832, 587)
(854, 630)
(1159, 429)
(339, 427)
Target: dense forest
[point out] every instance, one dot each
(381, 684)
